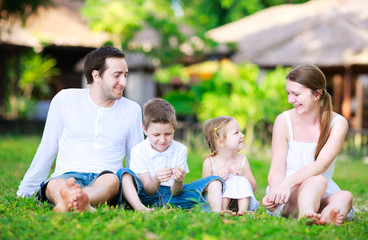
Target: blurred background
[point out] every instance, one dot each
(208, 58)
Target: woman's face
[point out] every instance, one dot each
(300, 97)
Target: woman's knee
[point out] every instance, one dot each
(318, 180)
(347, 196)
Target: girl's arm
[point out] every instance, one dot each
(151, 185)
(207, 168)
(249, 175)
(327, 155)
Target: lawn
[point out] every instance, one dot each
(27, 219)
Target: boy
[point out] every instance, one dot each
(161, 165)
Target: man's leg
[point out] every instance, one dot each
(65, 195)
(103, 190)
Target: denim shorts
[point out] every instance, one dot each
(81, 178)
(192, 194)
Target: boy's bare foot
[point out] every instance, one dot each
(313, 218)
(144, 209)
(333, 216)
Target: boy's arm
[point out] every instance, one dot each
(179, 175)
(151, 185)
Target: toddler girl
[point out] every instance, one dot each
(225, 140)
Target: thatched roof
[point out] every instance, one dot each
(60, 24)
(321, 32)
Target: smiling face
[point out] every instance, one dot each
(113, 81)
(234, 136)
(301, 97)
(160, 135)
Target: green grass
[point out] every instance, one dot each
(27, 219)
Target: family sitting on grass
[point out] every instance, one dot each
(91, 131)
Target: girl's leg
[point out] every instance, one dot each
(306, 198)
(225, 203)
(336, 207)
(243, 205)
(214, 195)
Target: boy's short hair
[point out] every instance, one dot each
(158, 110)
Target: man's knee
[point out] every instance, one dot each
(110, 181)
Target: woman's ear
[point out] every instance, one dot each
(317, 94)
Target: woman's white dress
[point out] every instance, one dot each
(301, 154)
(239, 187)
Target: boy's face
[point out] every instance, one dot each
(160, 135)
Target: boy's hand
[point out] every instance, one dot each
(179, 174)
(163, 175)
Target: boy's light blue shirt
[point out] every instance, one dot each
(144, 159)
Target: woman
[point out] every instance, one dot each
(305, 143)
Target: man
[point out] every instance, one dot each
(90, 131)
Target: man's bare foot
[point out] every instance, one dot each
(333, 216)
(81, 200)
(313, 218)
(68, 195)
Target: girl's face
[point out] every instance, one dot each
(234, 136)
(160, 135)
(301, 97)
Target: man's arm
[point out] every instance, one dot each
(135, 135)
(46, 152)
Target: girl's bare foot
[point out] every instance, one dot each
(243, 212)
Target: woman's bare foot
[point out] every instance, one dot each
(333, 216)
(312, 218)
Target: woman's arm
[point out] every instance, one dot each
(327, 155)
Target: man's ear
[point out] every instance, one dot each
(96, 76)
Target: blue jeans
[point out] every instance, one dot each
(192, 194)
(81, 178)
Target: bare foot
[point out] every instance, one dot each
(243, 212)
(312, 218)
(144, 209)
(68, 195)
(227, 213)
(80, 200)
(333, 216)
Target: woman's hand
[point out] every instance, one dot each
(270, 206)
(282, 193)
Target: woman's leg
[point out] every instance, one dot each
(336, 207)
(306, 198)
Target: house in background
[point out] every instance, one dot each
(60, 32)
(332, 34)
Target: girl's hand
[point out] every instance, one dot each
(179, 174)
(238, 171)
(270, 206)
(163, 175)
(224, 174)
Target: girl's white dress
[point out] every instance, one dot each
(301, 154)
(238, 187)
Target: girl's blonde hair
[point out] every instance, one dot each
(215, 129)
(313, 78)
